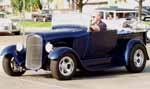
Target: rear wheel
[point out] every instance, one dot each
(137, 59)
(64, 68)
(10, 67)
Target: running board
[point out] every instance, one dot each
(97, 61)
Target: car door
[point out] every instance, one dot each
(101, 44)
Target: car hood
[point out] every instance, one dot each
(57, 34)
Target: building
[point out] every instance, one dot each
(5, 5)
(128, 4)
(60, 4)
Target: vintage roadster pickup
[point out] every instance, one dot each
(70, 46)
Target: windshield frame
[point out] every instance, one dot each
(75, 27)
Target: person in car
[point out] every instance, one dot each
(97, 24)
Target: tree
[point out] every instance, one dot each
(34, 4)
(18, 5)
(81, 3)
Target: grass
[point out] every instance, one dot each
(147, 23)
(35, 24)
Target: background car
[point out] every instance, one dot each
(8, 25)
(115, 13)
(45, 16)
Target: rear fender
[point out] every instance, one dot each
(129, 47)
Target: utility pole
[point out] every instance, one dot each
(140, 2)
(140, 9)
(23, 18)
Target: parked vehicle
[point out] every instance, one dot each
(115, 13)
(145, 11)
(45, 16)
(7, 26)
(113, 16)
(4, 33)
(71, 45)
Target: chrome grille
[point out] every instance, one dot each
(34, 52)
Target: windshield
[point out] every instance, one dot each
(73, 19)
(147, 8)
(68, 28)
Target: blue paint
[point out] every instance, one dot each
(11, 50)
(58, 52)
(124, 32)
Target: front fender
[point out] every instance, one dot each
(129, 47)
(11, 50)
(58, 52)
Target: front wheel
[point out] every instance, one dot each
(64, 68)
(137, 59)
(10, 67)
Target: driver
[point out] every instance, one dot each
(97, 24)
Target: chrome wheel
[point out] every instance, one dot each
(14, 66)
(138, 58)
(66, 66)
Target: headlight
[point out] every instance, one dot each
(49, 47)
(19, 47)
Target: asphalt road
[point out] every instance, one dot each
(111, 79)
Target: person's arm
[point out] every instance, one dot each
(95, 28)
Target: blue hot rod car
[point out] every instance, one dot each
(70, 47)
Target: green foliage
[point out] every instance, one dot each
(35, 4)
(50, 0)
(18, 5)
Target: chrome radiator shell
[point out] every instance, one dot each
(34, 47)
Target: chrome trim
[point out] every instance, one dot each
(34, 47)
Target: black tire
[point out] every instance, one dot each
(17, 33)
(131, 67)
(8, 69)
(54, 66)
